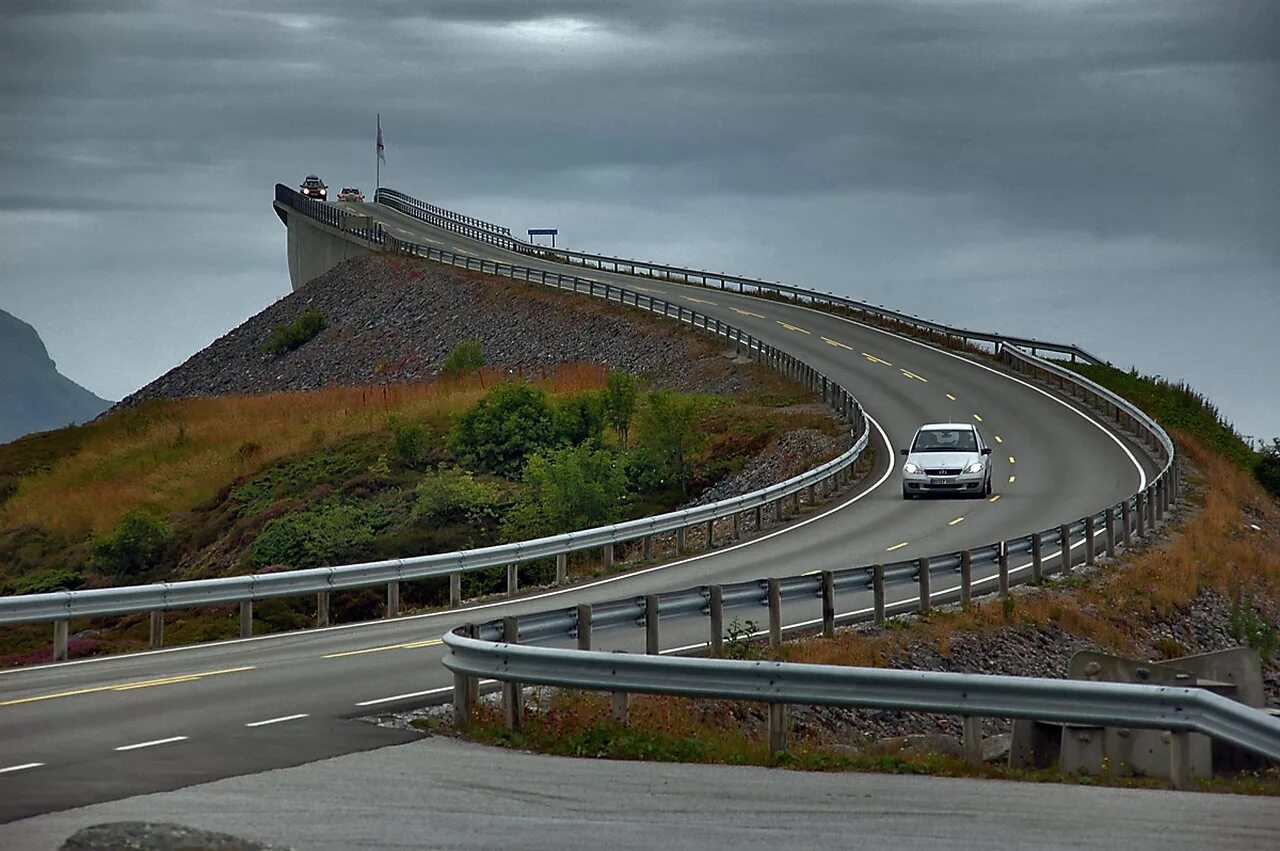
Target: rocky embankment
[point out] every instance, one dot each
(394, 320)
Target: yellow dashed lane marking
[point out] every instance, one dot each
(994, 498)
(952, 398)
(747, 312)
(698, 300)
(1011, 460)
(810, 572)
(791, 327)
(999, 439)
(909, 374)
(409, 645)
(180, 678)
(956, 521)
(1012, 479)
(977, 417)
(897, 546)
(836, 343)
(875, 359)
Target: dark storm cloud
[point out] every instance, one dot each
(919, 140)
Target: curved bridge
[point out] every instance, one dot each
(166, 719)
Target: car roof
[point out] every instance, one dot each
(936, 426)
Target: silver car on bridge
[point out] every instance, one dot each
(947, 458)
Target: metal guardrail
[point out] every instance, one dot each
(60, 606)
(712, 280)
(326, 213)
(969, 695)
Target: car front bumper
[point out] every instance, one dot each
(963, 483)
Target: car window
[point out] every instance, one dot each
(945, 440)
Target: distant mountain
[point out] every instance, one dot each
(34, 396)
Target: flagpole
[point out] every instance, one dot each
(378, 154)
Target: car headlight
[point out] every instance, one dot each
(911, 468)
(975, 467)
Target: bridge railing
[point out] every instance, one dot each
(715, 280)
(326, 213)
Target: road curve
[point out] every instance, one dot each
(98, 730)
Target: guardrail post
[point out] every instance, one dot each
(562, 568)
(512, 692)
(795, 502)
(828, 604)
(1161, 498)
(465, 692)
(513, 579)
(680, 541)
(606, 556)
(758, 515)
(246, 618)
(1180, 759)
(455, 589)
(584, 626)
(966, 579)
(711, 534)
(1151, 508)
(60, 641)
(778, 510)
(810, 495)
(646, 548)
(924, 584)
(972, 727)
(621, 705)
(1037, 559)
(877, 591)
(1109, 530)
(1004, 568)
(735, 532)
(1090, 548)
(775, 614)
(1142, 514)
(393, 598)
(1064, 535)
(157, 630)
(322, 608)
(777, 728)
(715, 608)
(651, 613)
(1126, 523)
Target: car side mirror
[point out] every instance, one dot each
(906, 452)
(986, 450)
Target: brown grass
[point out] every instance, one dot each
(170, 456)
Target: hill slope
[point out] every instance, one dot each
(34, 396)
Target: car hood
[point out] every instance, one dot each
(936, 460)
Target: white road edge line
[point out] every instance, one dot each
(22, 767)
(279, 720)
(152, 743)
(413, 694)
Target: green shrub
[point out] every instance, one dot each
(1267, 468)
(45, 581)
(501, 431)
(579, 418)
(288, 336)
(620, 396)
(669, 432)
(464, 357)
(410, 440)
(453, 494)
(322, 535)
(566, 489)
(136, 544)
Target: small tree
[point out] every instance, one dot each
(579, 418)
(1267, 468)
(566, 489)
(464, 357)
(501, 431)
(669, 432)
(136, 544)
(620, 394)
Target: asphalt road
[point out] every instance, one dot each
(440, 793)
(103, 729)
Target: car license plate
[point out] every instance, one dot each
(939, 481)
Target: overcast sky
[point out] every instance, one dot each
(1100, 172)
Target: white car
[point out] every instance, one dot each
(947, 458)
(350, 193)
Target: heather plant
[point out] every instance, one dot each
(288, 336)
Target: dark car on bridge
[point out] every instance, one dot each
(314, 187)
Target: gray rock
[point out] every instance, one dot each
(159, 836)
(996, 748)
(917, 745)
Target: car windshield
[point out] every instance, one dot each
(945, 440)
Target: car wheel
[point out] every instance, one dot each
(987, 490)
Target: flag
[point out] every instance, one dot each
(382, 156)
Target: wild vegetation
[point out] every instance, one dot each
(1226, 544)
(207, 487)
